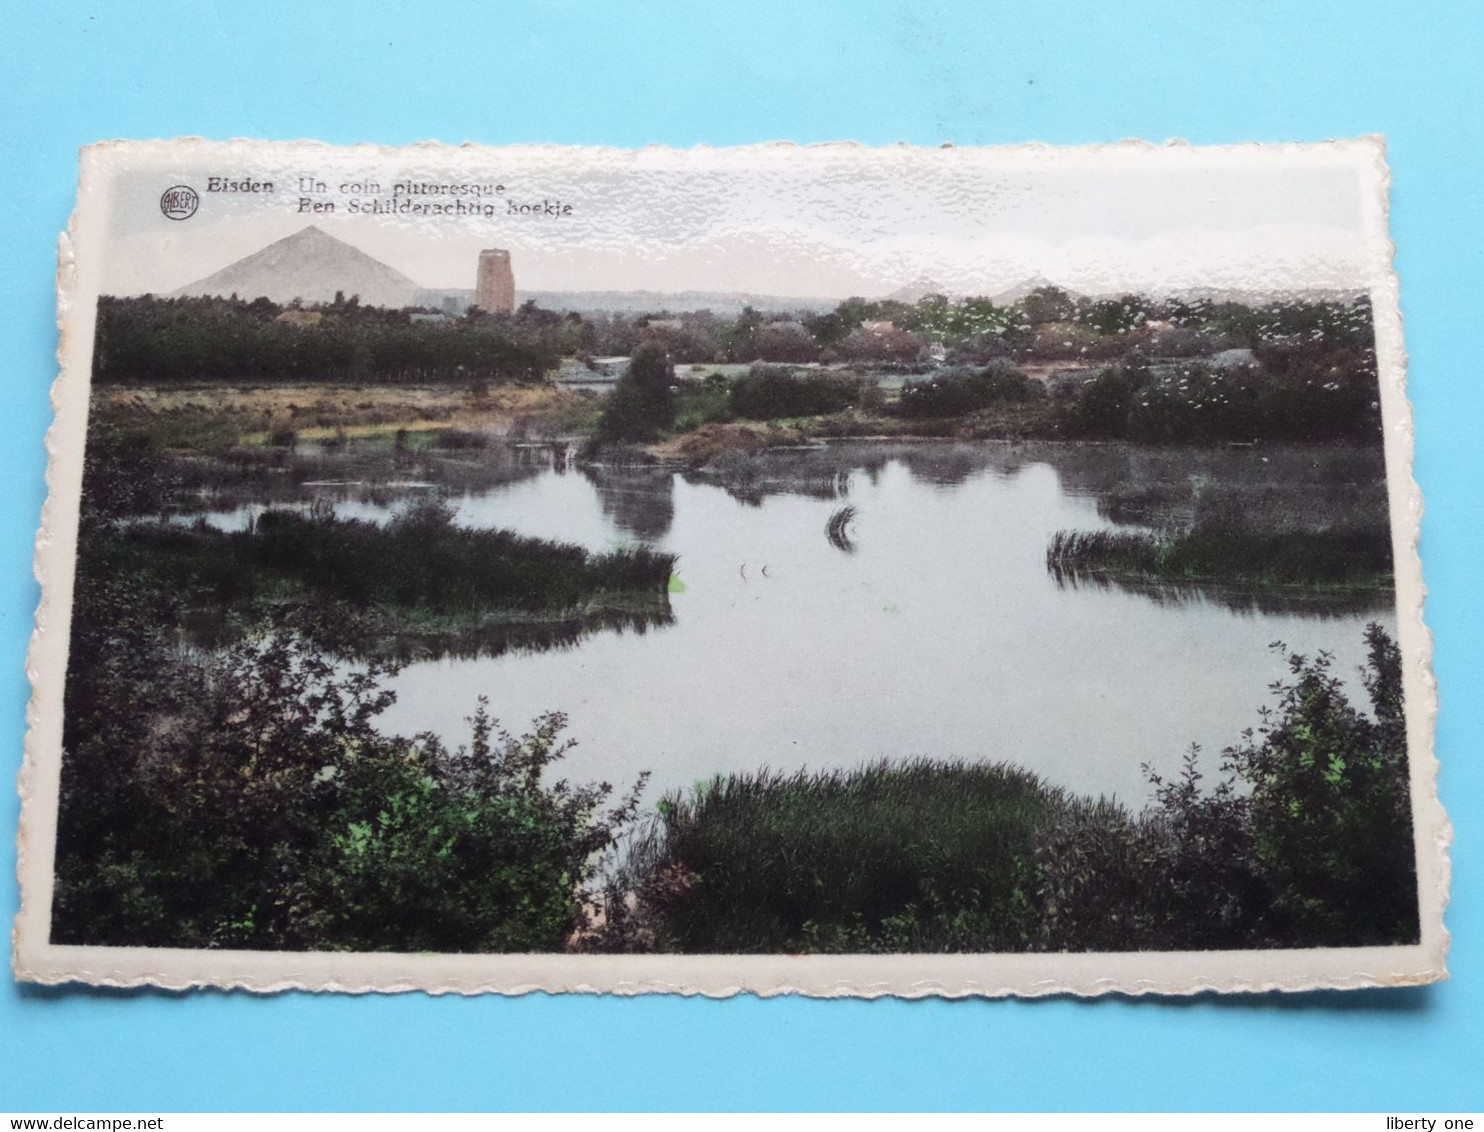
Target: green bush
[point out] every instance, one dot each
(1306, 840)
(247, 800)
(956, 393)
(699, 403)
(773, 392)
(466, 850)
(1331, 808)
(1098, 406)
(642, 404)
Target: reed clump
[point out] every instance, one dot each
(925, 855)
(418, 570)
(1303, 839)
(1354, 559)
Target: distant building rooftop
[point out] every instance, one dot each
(1232, 359)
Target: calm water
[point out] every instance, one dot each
(940, 633)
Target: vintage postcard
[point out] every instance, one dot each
(824, 569)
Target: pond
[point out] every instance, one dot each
(929, 626)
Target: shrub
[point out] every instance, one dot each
(955, 393)
(1331, 807)
(771, 392)
(1196, 403)
(1097, 407)
(642, 404)
(465, 850)
(1306, 841)
(246, 799)
(703, 402)
(1192, 402)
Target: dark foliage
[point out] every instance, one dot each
(773, 392)
(1197, 403)
(1353, 559)
(642, 404)
(1331, 812)
(246, 800)
(1097, 407)
(922, 856)
(956, 393)
(159, 340)
(1305, 841)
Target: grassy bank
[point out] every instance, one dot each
(420, 583)
(1003, 403)
(1304, 840)
(215, 417)
(922, 856)
(1334, 560)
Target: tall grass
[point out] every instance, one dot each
(419, 566)
(1303, 839)
(1341, 559)
(924, 855)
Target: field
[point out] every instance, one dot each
(216, 416)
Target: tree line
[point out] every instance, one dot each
(155, 339)
(148, 339)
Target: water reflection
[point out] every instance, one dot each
(1247, 602)
(490, 641)
(941, 634)
(837, 530)
(639, 501)
(377, 473)
(1268, 489)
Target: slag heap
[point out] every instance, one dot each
(494, 291)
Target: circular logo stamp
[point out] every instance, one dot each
(179, 202)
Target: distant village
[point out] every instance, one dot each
(314, 279)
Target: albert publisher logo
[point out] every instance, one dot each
(179, 202)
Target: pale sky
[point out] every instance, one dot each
(825, 221)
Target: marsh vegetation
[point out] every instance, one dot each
(1305, 840)
(1308, 561)
(313, 541)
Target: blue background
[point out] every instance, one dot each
(923, 71)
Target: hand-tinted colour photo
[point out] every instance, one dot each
(773, 552)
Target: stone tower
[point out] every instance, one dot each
(494, 290)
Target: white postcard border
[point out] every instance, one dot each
(37, 960)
